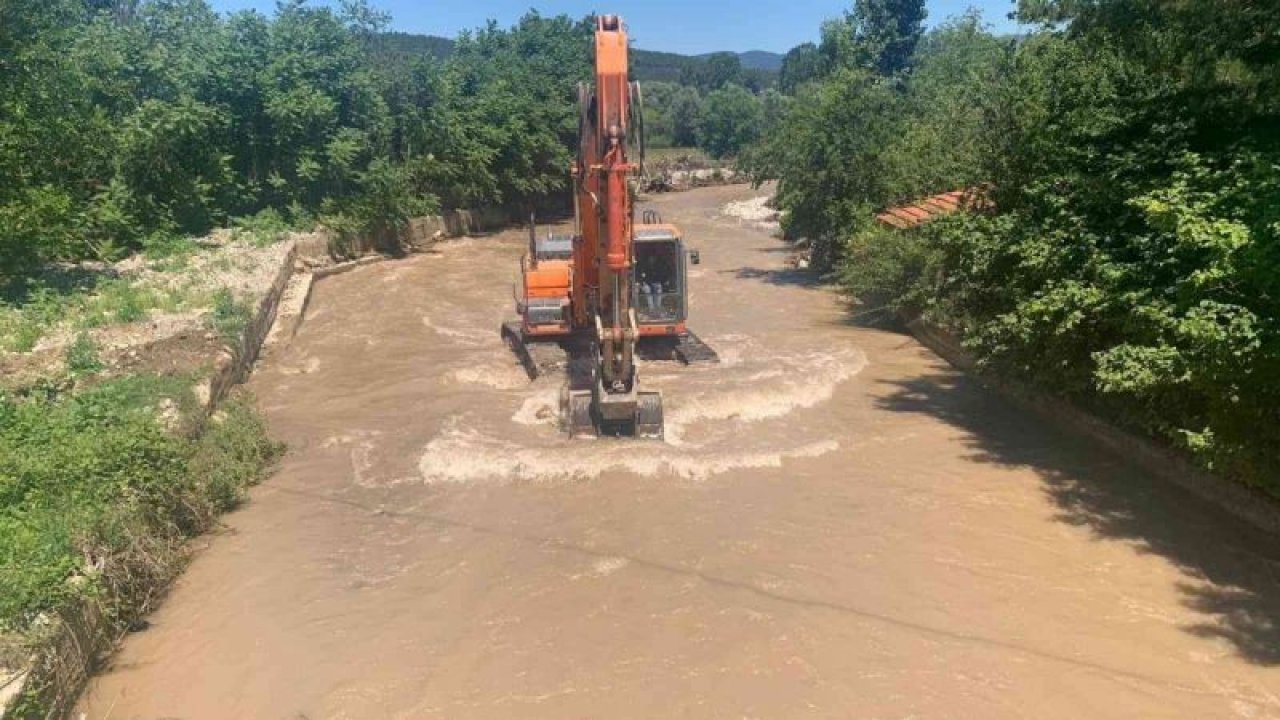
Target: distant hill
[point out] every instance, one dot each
(647, 65)
(400, 43)
(651, 65)
(759, 60)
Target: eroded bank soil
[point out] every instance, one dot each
(839, 525)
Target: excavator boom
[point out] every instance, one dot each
(613, 402)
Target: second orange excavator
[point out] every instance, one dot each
(594, 302)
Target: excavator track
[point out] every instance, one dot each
(537, 358)
(690, 349)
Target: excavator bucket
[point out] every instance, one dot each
(583, 417)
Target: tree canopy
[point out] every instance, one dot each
(1130, 148)
(128, 121)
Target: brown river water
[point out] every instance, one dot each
(838, 526)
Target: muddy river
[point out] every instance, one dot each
(838, 526)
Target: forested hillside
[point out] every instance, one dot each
(646, 65)
(1132, 152)
(691, 101)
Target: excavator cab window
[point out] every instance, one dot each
(659, 279)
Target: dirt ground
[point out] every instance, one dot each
(175, 337)
(838, 526)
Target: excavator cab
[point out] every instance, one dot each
(660, 279)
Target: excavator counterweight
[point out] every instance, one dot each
(592, 302)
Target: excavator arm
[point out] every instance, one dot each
(582, 299)
(604, 247)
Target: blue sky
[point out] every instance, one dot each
(685, 26)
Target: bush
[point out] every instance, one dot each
(71, 473)
(263, 228)
(1130, 261)
(229, 316)
(86, 478)
(886, 266)
(1169, 325)
(82, 356)
(230, 456)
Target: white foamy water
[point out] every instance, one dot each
(789, 383)
(755, 211)
(468, 336)
(500, 374)
(540, 408)
(715, 401)
(752, 410)
(466, 455)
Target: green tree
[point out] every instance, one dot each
(958, 72)
(686, 116)
(876, 35)
(658, 98)
(518, 90)
(1129, 263)
(828, 156)
(801, 64)
(714, 72)
(731, 120)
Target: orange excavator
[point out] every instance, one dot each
(595, 302)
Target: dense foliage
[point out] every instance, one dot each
(133, 125)
(125, 125)
(758, 69)
(128, 123)
(1132, 151)
(87, 476)
(855, 140)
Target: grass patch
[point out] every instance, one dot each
(27, 316)
(119, 301)
(267, 227)
(82, 356)
(169, 246)
(18, 331)
(107, 301)
(230, 316)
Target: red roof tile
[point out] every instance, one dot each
(908, 216)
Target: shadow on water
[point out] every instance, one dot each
(779, 276)
(1231, 573)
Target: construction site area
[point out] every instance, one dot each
(837, 523)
